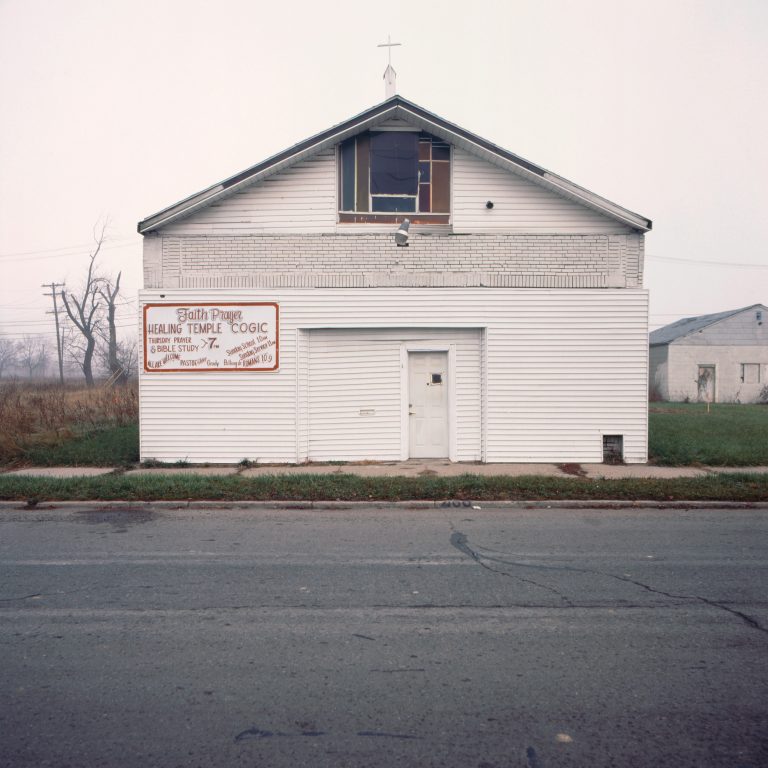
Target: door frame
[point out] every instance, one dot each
(713, 366)
(425, 346)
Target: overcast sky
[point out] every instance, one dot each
(118, 108)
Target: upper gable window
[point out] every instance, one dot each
(386, 176)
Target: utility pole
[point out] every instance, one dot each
(55, 313)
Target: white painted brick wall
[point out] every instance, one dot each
(683, 370)
(373, 260)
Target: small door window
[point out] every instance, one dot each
(437, 378)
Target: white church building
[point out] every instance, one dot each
(290, 315)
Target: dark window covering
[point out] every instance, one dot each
(394, 163)
(389, 172)
(441, 151)
(394, 204)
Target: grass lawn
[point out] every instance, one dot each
(49, 426)
(680, 434)
(734, 487)
(106, 447)
(729, 435)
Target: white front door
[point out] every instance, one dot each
(428, 405)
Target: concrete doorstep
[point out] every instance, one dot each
(411, 468)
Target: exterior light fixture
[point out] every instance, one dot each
(401, 236)
(489, 205)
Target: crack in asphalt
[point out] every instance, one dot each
(90, 587)
(460, 541)
(23, 597)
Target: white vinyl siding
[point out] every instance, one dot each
(299, 199)
(302, 199)
(564, 367)
(519, 205)
(356, 398)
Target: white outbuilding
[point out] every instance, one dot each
(290, 313)
(719, 358)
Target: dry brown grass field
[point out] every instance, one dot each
(37, 414)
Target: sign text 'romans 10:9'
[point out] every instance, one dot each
(211, 337)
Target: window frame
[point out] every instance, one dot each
(346, 177)
(757, 366)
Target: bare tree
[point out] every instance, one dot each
(9, 351)
(109, 291)
(126, 355)
(84, 310)
(33, 355)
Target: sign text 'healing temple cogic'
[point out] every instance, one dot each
(211, 337)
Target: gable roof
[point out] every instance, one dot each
(392, 109)
(689, 325)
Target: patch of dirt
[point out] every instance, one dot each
(572, 469)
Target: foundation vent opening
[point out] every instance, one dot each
(613, 449)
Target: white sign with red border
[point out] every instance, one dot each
(211, 337)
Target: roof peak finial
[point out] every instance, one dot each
(390, 76)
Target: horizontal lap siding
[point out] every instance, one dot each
(359, 370)
(519, 204)
(303, 199)
(469, 393)
(299, 199)
(563, 373)
(348, 373)
(220, 417)
(564, 367)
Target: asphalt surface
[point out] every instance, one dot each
(487, 638)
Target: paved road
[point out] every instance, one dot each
(380, 637)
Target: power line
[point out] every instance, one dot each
(23, 306)
(52, 333)
(25, 323)
(697, 262)
(67, 248)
